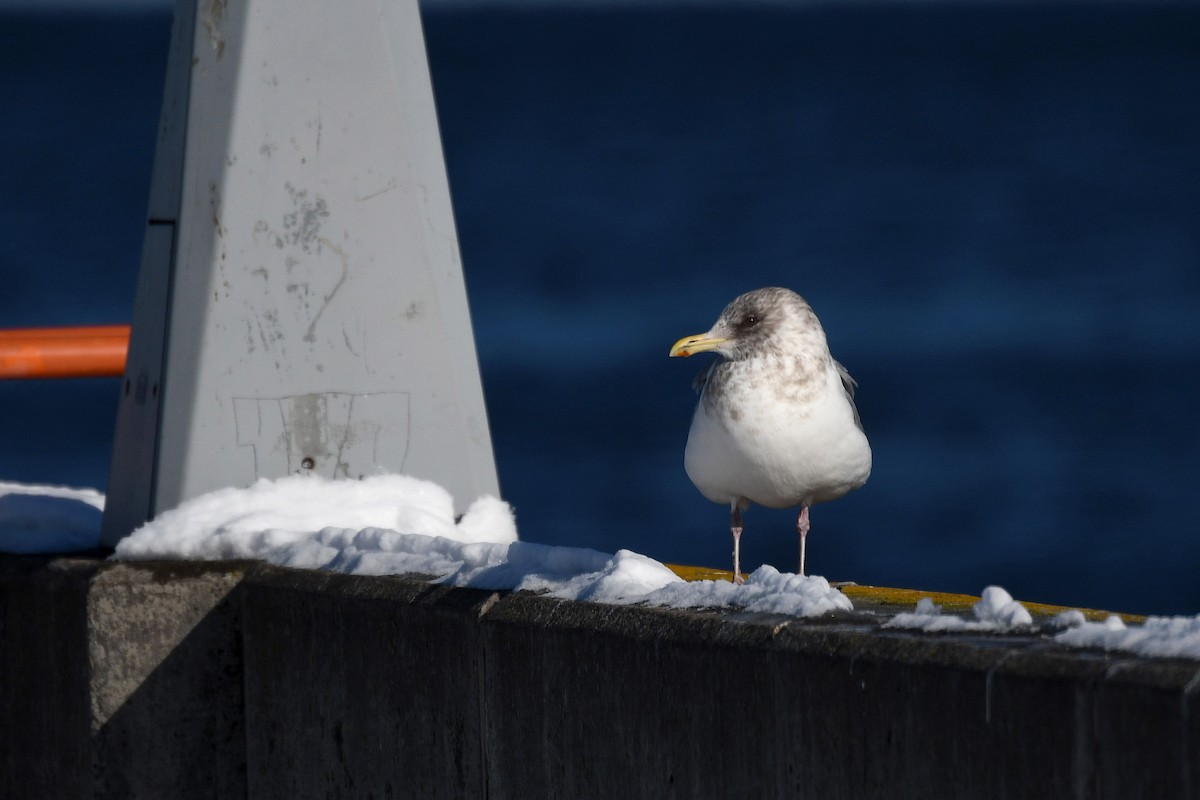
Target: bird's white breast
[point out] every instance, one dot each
(777, 443)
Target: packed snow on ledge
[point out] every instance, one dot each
(395, 524)
(1159, 637)
(1163, 637)
(995, 611)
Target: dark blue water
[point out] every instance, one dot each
(994, 209)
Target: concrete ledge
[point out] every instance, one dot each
(236, 680)
(120, 680)
(362, 687)
(44, 725)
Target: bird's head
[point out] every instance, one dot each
(747, 323)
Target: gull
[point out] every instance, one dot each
(776, 423)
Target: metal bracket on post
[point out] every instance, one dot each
(301, 306)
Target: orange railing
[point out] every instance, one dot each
(96, 351)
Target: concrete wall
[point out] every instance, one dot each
(120, 681)
(239, 680)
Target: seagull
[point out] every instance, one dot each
(776, 423)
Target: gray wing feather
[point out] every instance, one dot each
(849, 385)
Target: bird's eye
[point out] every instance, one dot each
(750, 321)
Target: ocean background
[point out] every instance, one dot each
(994, 208)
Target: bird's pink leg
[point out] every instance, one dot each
(735, 526)
(802, 529)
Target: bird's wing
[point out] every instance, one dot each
(848, 385)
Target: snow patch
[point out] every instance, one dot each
(396, 524)
(995, 611)
(283, 514)
(766, 590)
(48, 519)
(1164, 637)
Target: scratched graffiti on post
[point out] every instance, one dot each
(332, 434)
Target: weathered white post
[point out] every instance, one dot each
(301, 305)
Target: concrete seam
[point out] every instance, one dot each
(988, 682)
(1192, 685)
(481, 684)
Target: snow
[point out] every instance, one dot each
(48, 519)
(258, 521)
(396, 524)
(1163, 637)
(1158, 637)
(766, 590)
(995, 611)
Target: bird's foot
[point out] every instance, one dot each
(738, 579)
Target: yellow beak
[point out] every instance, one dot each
(700, 343)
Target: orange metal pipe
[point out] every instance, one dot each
(96, 351)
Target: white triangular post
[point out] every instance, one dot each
(301, 306)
